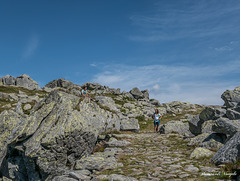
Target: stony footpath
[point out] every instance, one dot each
(152, 156)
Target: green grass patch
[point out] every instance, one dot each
(140, 118)
(12, 89)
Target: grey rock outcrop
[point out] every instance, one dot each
(137, 94)
(226, 126)
(176, 127)
(231, 98)
(230, 152)
(59, 130)
(107, 102)
(204, 121)
(212, 141)
(232, 114)
(21, 81)
(129, 124)
(93, 86)
(211, 113)
(200, 152)
(60, 83)
(195, 125)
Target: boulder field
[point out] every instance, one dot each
(53, 133)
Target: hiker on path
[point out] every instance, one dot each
(157, 117)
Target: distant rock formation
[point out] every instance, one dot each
(60, 83)
(21, 81)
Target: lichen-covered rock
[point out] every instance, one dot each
(113, 142)
(129, 124)
(175, 127)
(211, 113)
(200, 152)
(207, 126)
(129, 105)
(79, 176)
(212, 141)
(12, 125)
(107, 101)
(191, 168)
(97, 161)
(27, 107)
(231, 98)
(229, 153)
(195, 141)
(197, 124)
(128, 95)
(137, 94)
(226, 126)
(59, 130)
(60, 83)
(232, 114)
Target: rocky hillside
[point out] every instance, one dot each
(53, 133)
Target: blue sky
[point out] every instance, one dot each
(186, 50)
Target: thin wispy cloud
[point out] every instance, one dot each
(168, 83)
(31, 46)
(231, 46)
(174, 20)
(93, 65)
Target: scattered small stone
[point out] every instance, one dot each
(27, 107)
(191, 168)
(184, 175)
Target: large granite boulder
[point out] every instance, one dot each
(107, 102)
(204, 121)
(129, 124)
(59, 130)
(21, 81)
(232, 114)
(226, 126)
(195, 125)
(212, 141)
(176, 127)
(60, 83)
(230, 152)
(211, 113)
(200, 152)
(231, 98)
(8, 80)
(136, 93)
